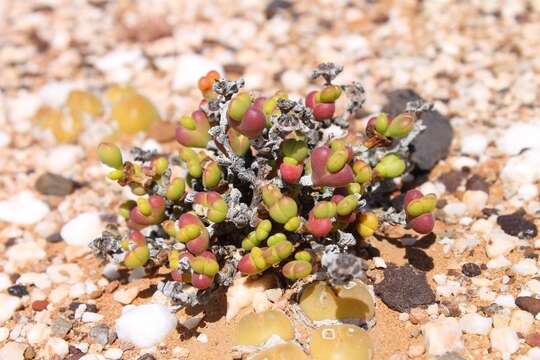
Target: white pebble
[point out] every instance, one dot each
(4, 333)
(521, 321)
(505, 301)
(5, 281)
(58, 346)
(63, 158)
(113, 353)
(533, 354)
(37, 333)
(5, 139)
(527, 192)
(416, 350)
(145, 325)
(534, 286)
(65, 273)
(500, 243)
(473, 144)
(522, 169)
(504, 340)
(475, 200)
(8, 305)
(92, 357)
(89, 317)
(379, 262)
(525, 267)
(29, 209)
(13, 350)
(25, 253)
(293, 80)
(77, 290)
(126, 296)
(498, 262)
(189, 68)
(442, 336)
(455, 209)
(518, 137)
(475, 324)
(40, 280)
(202, 338)
(82, 229)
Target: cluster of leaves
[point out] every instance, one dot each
(269, 183)
(131, 112)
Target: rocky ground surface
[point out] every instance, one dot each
(476, 60)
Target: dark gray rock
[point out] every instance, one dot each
(433, 144)
(471, 270)
(17, 290)
(52, 184)
(404, 288)
(516, 225)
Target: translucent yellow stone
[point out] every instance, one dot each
(341, 342)
(319, 301)
(281, 352)
(118, 92)
(134, 113)
(80, 101)
(65, 127)
(256, 329)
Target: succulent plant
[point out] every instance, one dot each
(418, 208)
(271, 184)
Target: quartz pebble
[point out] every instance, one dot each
(126, 296)
(500, 244)
(82, 229)
(145, 325)
(113, 353)
(525, 267)
(504, 340)
(8, 305)
(519, 137)
(62, 159)
(30, 209)
(12, 350)
(442, 335)
(473, 144)
(58, 346)
(89, 317)
(475, 324)
(521, 321)
(65, 273)
(522, 169)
